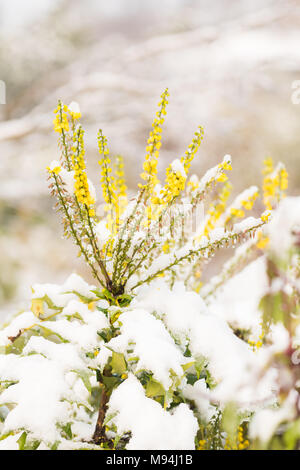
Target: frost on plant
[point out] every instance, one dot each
(152, 356)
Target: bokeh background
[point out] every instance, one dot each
(229, 66)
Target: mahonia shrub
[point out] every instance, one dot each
(150, 357)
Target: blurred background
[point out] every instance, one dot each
(229, 66)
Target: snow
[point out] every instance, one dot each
(34, 409)
(84, 335)
(151, 426)
(199, 393)
(74, 107)
(230, 359)
(61, 295)
(288, 216)
(246, 224)
(216, 234)
(41, 407)
(212, 174)
(102, 233)
(68, 179)
(77, 284)
(243, 196)
(47, 387)
(24, 320)
(265, 422)
(54, 164)
(237, 301)
(151, 343)
(178, 167)
(10, 443)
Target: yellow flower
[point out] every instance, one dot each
(153, 145)
(222, 177)
(262, 242)
(201, 445)
(107, 179)
(81, 186)
(61, 122)
(217, 208)
(54, 170)
(268, 166)
(274, 184)
(283, 179)
(265, 216)
(192, 149)
(237, 212)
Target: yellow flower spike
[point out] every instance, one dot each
(176, 173)
(154, 144)
(274, 184)
(107, 180)
(109, 188)
(121, 188)
(81, 186)
(175, 181)
(192, 149)
(283, 179)
(268, 166)
(61, 120)
(217, 208)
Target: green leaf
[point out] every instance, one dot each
(188, 365)
(230, 422)
(105, 334)
(104, 294)
(292, 435)
(191, 378)
(118, 363)
(47, 332)
(117, 440)
(50, 303)
(22, 440)
(154, 389)
(68, 430)
(199, 365)
(109, 417)
(32, 445)
(103, 310)
(55, 445)
(124, 300)
(84, 298)
(111, 382)
(115, 315)
(37, 307)
(4, 436)
(85, 377)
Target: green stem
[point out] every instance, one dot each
(74, 233)
(194, 253)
